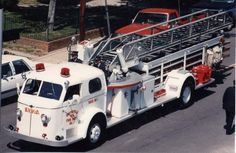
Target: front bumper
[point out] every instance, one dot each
(12, 132)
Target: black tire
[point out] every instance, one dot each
(186, 95)
(232, 19)
(96, 132)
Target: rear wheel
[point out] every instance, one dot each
(186, 96)
(231, 19)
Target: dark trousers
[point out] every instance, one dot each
(229, 119)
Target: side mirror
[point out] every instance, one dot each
(5, 77)
(18, 88)
(23, 75)
(75, 98)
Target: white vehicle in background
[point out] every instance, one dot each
(14, 70)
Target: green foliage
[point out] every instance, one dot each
(8, 4)
(37, 29)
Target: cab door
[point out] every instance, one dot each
(71, 110)
(97, 94)
(8, 81)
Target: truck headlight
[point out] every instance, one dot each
(45, 119)
(18, 114)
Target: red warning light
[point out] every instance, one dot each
(65, 72)
(40, 67)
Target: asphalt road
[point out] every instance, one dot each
(198, 128)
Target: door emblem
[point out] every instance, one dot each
(71, 116)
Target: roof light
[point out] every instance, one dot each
(40, 67)
(65, 72)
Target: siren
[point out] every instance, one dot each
(65, 72)
(40, 67)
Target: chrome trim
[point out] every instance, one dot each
(36, 140)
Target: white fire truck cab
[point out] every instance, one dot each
(57, 103)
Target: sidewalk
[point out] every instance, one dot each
(54, 57)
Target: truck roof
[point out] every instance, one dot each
(158, 10)
(78, 73)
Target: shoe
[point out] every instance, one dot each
(225, 126)
(229, 132)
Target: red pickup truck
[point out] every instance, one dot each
(151, 16)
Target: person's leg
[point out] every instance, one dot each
(229, 122)
(226, 119)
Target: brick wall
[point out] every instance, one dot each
(60, 43)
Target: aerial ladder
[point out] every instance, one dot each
(156, 53)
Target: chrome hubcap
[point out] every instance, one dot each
(95, 133)
(186, 95)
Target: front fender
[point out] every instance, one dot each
(175, 80)
(86, 118)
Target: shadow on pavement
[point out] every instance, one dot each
(9, 100)
(220, 75)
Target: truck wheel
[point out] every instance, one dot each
(95, 132)
(230, 27)
(186, 94)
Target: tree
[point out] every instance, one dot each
(51, 14)
(81, 19)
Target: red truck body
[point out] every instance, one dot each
(151, 16)
(148, 17)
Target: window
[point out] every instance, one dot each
(72, 90)
(173, 16)
(95, 85)
(32, 87)
(151, 18)
(20, 66)
(50, 90)
(6, 70)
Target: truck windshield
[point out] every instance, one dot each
(150, 18)
(47, 90)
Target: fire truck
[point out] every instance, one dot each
(121, 77)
